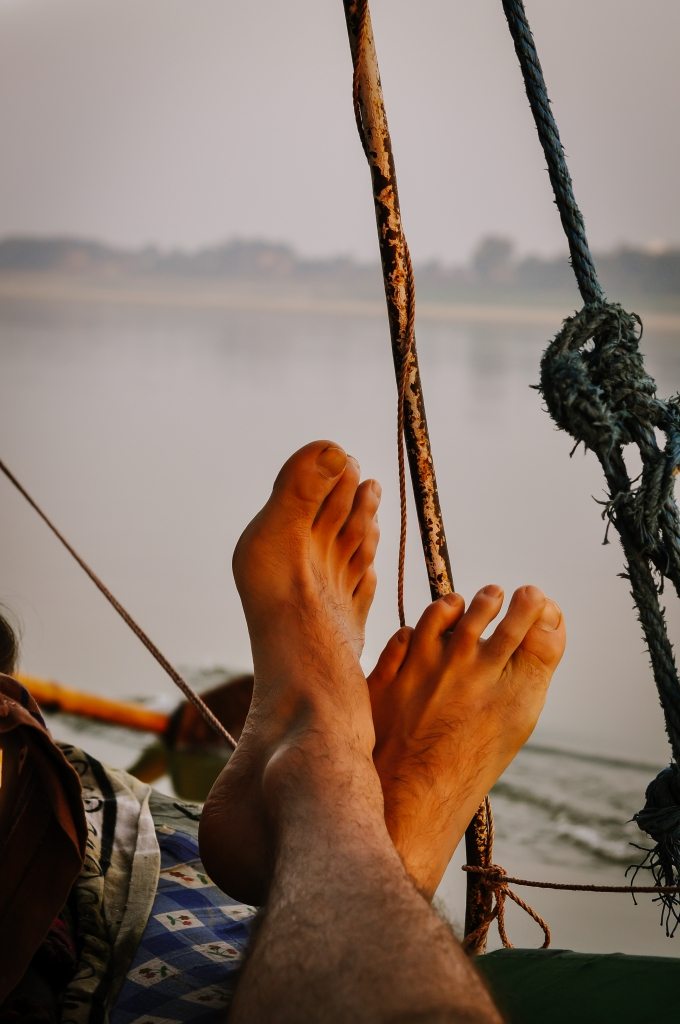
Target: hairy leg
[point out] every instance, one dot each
(451, 710)
(346, 936)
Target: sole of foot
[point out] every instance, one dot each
(452, 709)
(304, 571)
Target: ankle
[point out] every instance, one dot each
(314, 772)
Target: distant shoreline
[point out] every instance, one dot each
(36, 287)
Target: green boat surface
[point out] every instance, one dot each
(558, 986)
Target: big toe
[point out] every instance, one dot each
(546, 638)
(308, 477)
(391, 659)
(298, 493)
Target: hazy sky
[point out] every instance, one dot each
(186, 122)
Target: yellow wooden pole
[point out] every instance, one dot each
(53, 696)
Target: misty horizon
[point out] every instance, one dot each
(66, 237)
(157, 123)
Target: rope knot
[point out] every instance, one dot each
(660, 819)
(593, 377)
(494, 878)
(596, 388)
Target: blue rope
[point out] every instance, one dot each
(596, 388)
(548, 133)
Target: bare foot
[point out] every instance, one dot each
(304, 571)
(451, 710)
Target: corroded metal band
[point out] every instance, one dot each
(400, 296)
(398, 280)
(478, 854)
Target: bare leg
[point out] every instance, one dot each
(451, 711)
(346, 936)
(304, 570)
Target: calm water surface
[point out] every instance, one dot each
(151, 436)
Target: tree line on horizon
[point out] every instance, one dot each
(495, 267)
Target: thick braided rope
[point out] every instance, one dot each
(604, 398)
(596, 388)
(572, 220)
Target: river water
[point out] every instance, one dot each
(151, 433)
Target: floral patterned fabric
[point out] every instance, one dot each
(187, 962)
(158, 942)
(112, 897)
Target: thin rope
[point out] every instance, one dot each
(403, 381)
(497, 881)
(493, 878)
(496, 871)
(177, 679)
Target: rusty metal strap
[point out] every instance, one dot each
(398, 279)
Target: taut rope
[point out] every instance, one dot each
(177, 679)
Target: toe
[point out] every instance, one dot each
(364, 556)
(363, 595)
(525, 607)
(546, 639)
(438, 617)
(308, 477)
(391, 658)
(361, 521)
(484, 608)
(338, 504)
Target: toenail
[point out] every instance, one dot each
(452, 598)
(331, 461)
(493, 591)
(376, 488)
(551, 616)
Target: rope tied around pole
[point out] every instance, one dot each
(495, 879)
(596, 388)
(491, 883)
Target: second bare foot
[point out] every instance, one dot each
(451, 710)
